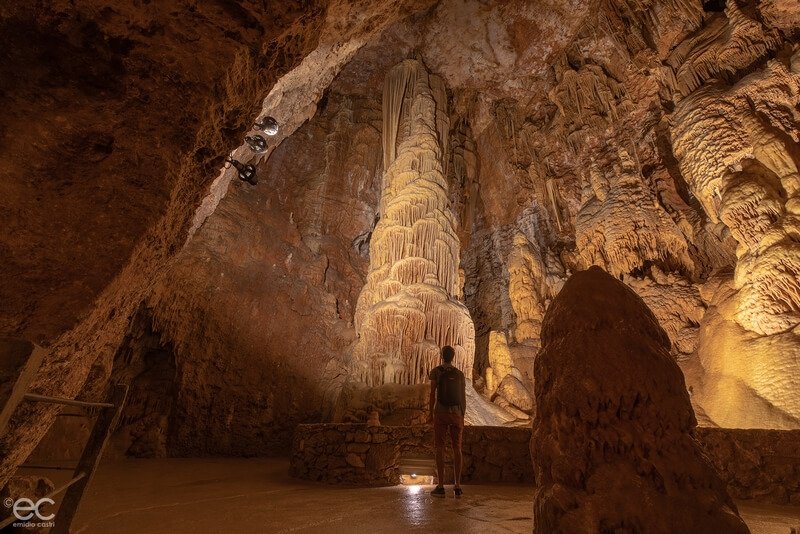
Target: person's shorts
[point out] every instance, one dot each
(448, 423)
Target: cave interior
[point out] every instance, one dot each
(257, 223)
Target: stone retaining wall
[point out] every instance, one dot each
(763, 465)
(371, 455)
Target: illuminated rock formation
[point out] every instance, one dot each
(677, 305)
(725, 45)
(500, 364)
(464, 186)
(508, 379)
(747, 380)
(409, 307)
(612, 443)
(526, 288)
(744, 174)
(621, 226)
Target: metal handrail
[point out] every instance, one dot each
(54, 467)
(33, 397)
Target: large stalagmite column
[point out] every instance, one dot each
(409, 307)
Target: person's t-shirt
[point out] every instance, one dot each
(461, 408)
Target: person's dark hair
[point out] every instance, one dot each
(448, 353)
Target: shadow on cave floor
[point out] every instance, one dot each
(256, 495)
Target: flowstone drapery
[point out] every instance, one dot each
(745, 175)
(409, 307)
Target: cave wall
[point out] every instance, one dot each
(584, 167)
(260, 304)
(630, 135)
(101, 103)
(98, 243)
(233, 52)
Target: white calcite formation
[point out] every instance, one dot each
(410, 307)
(732, 145)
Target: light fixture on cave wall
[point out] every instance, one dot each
(257, 144)
(268, 125)
(246, 172)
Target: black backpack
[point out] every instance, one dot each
(449, 386)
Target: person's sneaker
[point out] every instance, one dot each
(438, 491)
(457, 493)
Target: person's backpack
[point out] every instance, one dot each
(449, 386)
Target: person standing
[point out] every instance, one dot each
(448, 404)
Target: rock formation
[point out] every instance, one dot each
(612, 443)
(410, 306)
(621, 227)
(657, 139)
(526, 288)
(508, 381)
(745, 175)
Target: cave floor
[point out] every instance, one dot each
(199, 496)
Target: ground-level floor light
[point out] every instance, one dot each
(416, 469)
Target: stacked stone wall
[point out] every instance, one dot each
(759, 465)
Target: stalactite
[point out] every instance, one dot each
(395, 86)
(439, 90)
(726, 45)
(553, 203)
(621, 226)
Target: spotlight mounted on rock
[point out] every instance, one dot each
(257, 143)
(246, 172)
(268, 125)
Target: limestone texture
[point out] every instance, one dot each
(613, 434)
(657, 139)
(410, 307)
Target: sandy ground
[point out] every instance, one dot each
(197, 496)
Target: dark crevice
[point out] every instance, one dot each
(713, 6)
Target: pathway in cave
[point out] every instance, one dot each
(256, 495)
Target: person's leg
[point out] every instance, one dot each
(456, 433)
(439, 429)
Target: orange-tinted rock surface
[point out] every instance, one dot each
(612, 444)
(655, 138)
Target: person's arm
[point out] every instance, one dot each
(432, 399)
(463, 395)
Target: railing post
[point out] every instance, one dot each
(27, 372)
(90, 459)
